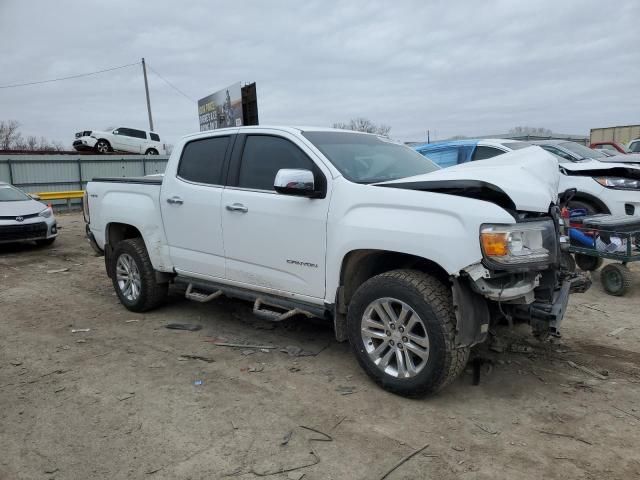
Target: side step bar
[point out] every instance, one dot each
(201, 297)
(273, 315)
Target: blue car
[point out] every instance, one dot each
(447, 154)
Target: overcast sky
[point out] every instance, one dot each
(467, 68)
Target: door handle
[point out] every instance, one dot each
(237, 207)
(175, 200)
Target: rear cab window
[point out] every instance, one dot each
(202, 160)
(155, 137)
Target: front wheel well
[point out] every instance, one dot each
(358, 266)
(597, 204)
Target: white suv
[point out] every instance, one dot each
(123, 139)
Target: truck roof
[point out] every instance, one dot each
(284, 128)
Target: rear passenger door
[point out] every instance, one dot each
(190, 202)
(273, 242)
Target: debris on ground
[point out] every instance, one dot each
(197, 357)
(241, 345)
(256, 369)
(345, 389)
(565, 435)
(131, 321)
(197, 383)
(587, 370)
(126, 396)
(58, 270)
(190, 327)
(486, 429)
(286, 438)
(617, 331)
(80, 330)
(404, 460)
(15, 363)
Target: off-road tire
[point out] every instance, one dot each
(433, 302)
(588, 263)
(152, 294)
(616, 279)
(45, 242)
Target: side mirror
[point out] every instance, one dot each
(290, 181)
(35, 196)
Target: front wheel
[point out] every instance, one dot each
(134, 278)
(151, 151)
(102, 146)
(401, 325)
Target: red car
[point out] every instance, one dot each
(613, 146)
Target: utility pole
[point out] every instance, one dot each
(146, 89)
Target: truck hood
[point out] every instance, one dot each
(525, 180)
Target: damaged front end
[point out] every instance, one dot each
(522, 277)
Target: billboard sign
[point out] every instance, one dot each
(221, 109)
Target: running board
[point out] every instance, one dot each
(196, 296)
(259, 310)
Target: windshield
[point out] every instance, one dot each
(369, 158)
(516, 145)
(11, 194)
(582, 151)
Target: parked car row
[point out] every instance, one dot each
(123, 139)
(604, 184)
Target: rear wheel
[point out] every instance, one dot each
(134, 278)
(616, 279)
(102, 146)
(151, 151)
(401, 325)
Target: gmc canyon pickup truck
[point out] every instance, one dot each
(410, 262)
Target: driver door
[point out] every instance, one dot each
(274, 242)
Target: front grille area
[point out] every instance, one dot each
(22, 232)
(24, 217)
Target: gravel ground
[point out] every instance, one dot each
(132, 399)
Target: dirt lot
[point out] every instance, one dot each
(125, 400)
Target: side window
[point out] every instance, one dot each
(155, 137)
(635, 147)
(558, 153)
(445, 157)
(264, 155)
(123, 131)
(482, 152)
(202, 160)
(137, 133)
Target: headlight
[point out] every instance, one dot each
(519, 244)
(46, 213)
(618, 182)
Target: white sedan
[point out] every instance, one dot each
(24, 219)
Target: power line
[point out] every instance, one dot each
(15, 85)
(171, 84)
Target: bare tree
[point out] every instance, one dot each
(9, 134)
(537, 131)
(364, 125)
(11, 139)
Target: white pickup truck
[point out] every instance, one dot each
(411, 263)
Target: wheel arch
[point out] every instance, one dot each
(592, 200)
(360, 265)
(114, 233)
